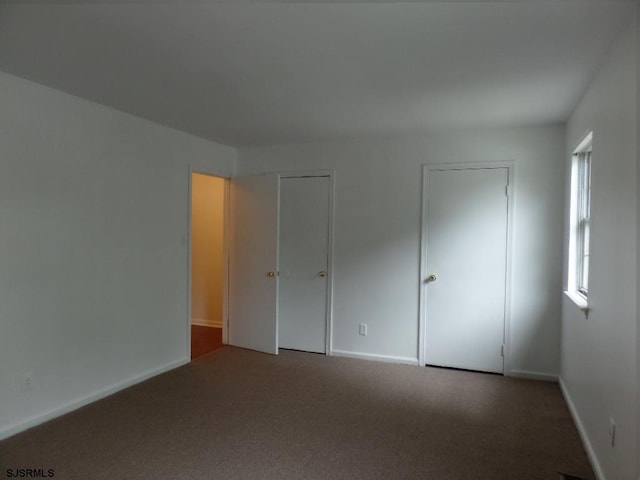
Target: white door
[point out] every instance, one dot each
(253, 262)
(303, 281)
(466, 251)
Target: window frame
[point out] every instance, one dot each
(580, 233)
(583, 221)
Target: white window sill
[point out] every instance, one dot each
(579, 301)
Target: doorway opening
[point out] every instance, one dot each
(208, 264)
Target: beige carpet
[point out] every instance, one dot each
(237, 414)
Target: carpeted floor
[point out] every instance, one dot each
(237, 414)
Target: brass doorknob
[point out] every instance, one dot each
(322, 274)
(271, 274)
(432, 278)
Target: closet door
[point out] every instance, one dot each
(304, 271)
(253, 263)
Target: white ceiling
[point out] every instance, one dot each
(268, 73)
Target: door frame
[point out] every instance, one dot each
(225, 253)
(330, 240)
(422, 323)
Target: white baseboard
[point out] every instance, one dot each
(206, 323)
(377, 358)
(582, 431)
(547, 377)
(11, 430)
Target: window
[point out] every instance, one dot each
(580, 221)
(584, 213)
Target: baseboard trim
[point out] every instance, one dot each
(582, 432)
(10, 430)
(206, 323)
(374, 357)
(547, 377)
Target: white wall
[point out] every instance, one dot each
(599, 352)
(377, 234)
(93, 254)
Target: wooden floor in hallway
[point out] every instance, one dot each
(204, 340)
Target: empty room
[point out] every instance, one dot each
(319, 239)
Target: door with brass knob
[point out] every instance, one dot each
(303, 263)
(253, 260)
(466, 219)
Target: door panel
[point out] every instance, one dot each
(304, 240)
(253, 249)
(466, 235)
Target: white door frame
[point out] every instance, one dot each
(426, 169)
(225, 254)
(331, 175)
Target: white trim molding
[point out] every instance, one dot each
(375, 357)
(579, 301)
(582, 432)
(11, 430)
(547, 377)
(206, 323)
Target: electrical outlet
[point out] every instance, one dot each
(27, 380)
(363, 329)
(612, 432)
